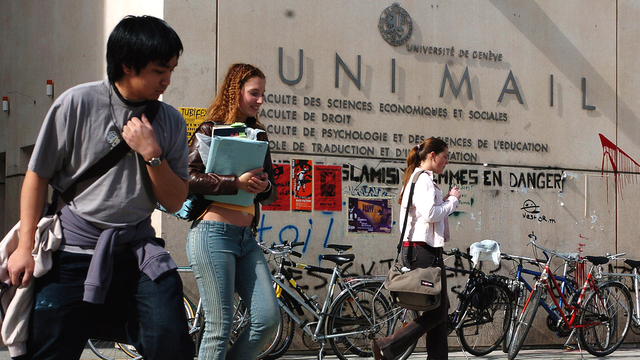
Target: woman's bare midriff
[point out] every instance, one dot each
(233, 217)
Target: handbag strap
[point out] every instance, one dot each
(103, 165)
(406, 213)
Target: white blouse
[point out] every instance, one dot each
(427, 213)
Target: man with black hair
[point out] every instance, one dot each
(110, 278)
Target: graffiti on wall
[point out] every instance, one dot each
(531, 211)
(616, 160)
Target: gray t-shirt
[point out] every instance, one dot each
(83, 124)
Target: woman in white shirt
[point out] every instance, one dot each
(427, 231)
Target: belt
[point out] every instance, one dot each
(431, 249)
(416, 244)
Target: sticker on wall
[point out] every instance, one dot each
(281, 173)
(302, 185)
(369, 215)
(327, 188)
(193, 117)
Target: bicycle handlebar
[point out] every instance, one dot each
(456, 251)
(531, 261)
(282, 249)
(565, 257)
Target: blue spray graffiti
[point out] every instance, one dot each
(285, 232)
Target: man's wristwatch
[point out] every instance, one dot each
(154, 161)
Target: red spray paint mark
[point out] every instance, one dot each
(621, 164)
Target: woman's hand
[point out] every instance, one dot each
(253, 182)
(454, 192)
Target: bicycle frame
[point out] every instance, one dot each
(635, 314)
(564, 287)
(549, 281)
(302, 299)
(459, 313)
(456, 318)
(308, 303)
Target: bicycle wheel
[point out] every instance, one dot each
(635, 326)
(521, 294)
(242, 320)
(605, 318)
(112, 350)
(487, 318)
(196, 323)
(524, 322)
(288, 329)
(366, 317)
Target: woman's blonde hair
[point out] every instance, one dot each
(419, 153)
(224, 109)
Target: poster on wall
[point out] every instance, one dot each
(369, 215)
(302, 185)
(281, 173)
(193, 117)
(327, 188)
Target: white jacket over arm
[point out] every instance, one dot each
(17, 301)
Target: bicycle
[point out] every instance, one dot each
(349, 320)
(483, 312)
(113, 350)
(634, 289)
(600, 317)
(521, 289)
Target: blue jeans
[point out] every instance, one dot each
(225, 258)
(148, 314)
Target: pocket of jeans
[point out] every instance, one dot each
(409, 256)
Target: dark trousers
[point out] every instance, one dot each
(145, 313)
(433, 323)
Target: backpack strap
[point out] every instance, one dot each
(98, 169)
(406, 213)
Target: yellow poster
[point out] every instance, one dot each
(194, 117)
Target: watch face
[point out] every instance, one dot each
(154, 162)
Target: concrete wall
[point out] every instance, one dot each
(555, 80)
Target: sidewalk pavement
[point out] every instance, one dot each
(624, 353)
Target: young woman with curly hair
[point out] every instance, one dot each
(221, 245)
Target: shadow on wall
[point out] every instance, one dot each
(565, 56)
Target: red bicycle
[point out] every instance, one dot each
(600, 315)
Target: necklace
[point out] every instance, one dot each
(112, 112)
(126, 101)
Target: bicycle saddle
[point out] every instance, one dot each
(598, 260)
(339, 259)
(633, 263)
(338, 247)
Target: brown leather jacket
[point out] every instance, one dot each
(201, 183)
